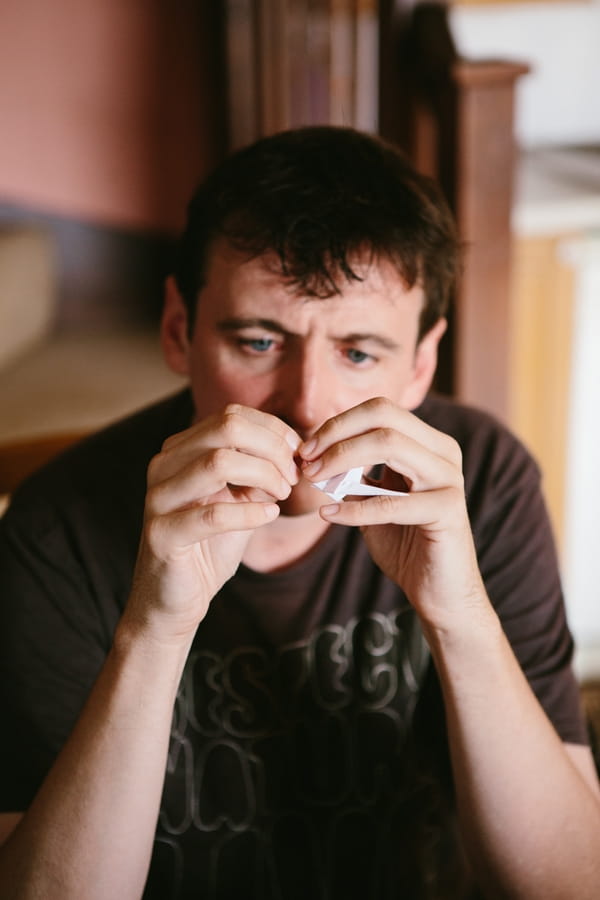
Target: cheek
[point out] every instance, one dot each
(392, 382)
(214, 386)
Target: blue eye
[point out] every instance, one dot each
(357, 356)
(259, 345)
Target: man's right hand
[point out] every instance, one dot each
(208, 489)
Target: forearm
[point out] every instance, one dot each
(90, 829)
(530, 820)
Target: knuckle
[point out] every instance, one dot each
(460, 482)
(387, 504)
(460, 487)
(378, 405)
(454, 451)
(385, 435)
(215, 517)
(152, 498)
(154, 532)
(231, 423)
(233, 409)
(337, 450)
(283, 447)
(216, 459)
(168, 442)
(332, 424)
(155, 467)
(455, 495)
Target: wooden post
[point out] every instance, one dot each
(482, 197)
(455, 120)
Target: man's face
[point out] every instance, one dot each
(257, 342)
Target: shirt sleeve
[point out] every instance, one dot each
(52, 646)
(68, 545)
(518, 561)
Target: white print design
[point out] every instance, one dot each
(305, 741)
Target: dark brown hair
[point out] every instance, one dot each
(316, 197)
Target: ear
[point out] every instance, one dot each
(174, 330)
(424, 366)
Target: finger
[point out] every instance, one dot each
(421, 467)
(241, 428)
(185, 527)
(209, 474)
(378, 412)
(232, 431)
(430, 509)
(236, 411)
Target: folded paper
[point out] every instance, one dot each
(350, 483)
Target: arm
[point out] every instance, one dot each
(528, 805)
(90, 828)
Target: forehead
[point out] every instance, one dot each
(237, 283)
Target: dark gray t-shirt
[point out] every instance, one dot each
(308, 753)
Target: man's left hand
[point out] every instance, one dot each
(422, 540)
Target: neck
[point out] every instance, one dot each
(283, 542)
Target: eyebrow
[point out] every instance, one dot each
(357, 337)
(368, 337)
(237, 324)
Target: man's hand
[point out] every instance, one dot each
(208, 489)
(422, 541)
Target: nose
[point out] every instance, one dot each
(306, 394)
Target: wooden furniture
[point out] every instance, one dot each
(291, 64)
(19, 458)
(454, 118)
(27, 288)
(590, 698)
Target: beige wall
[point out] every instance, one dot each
(106, 107)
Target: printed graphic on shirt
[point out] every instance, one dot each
(286, 774)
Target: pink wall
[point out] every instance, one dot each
(106, 108)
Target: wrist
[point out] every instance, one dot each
(464, 632)
(164, 609)
(148, 637)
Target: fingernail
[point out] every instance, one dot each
(330, 509)
(271, 510)
(293, 440)
(311, 468)
(307, 448)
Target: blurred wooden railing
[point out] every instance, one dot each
(455, 119)
(295, 63)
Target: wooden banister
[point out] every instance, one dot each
(455, 119)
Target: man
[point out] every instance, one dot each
(221, 682)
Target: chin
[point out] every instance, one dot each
(303, 499)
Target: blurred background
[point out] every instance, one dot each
(112, 110)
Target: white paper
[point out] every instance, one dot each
(350, 483)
